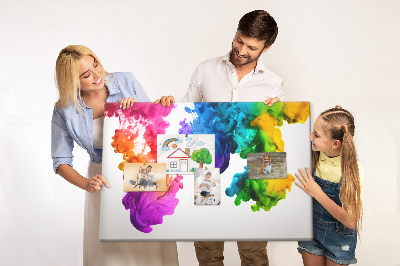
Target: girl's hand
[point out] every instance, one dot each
(308, 184)
(127, 102)
(96, 183)
(165, 100)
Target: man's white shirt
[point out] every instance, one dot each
(216, 80)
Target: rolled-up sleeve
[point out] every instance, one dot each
(62, 143)
(194, 93)
(278, 91)
(141, 95)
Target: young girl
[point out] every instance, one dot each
(84, 87)
(336, 188)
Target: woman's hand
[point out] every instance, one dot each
(165, 100)
(308, 184)
(96, 183)
(126, 103)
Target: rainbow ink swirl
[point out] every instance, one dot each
(136, 139)
(247, 128)
(238, 128)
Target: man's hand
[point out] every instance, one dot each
(271, 101)
(165, 100)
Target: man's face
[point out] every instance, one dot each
(246, 50)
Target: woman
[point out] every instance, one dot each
(84, 87)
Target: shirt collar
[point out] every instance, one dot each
(111, 85)
(260, 64)
(335, 160)
(226, 57)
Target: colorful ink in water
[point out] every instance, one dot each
(136, 140)
(238, 128)
(248, 128)
(149, 208)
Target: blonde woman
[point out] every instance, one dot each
(84, 87)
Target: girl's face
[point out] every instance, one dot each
(322, 142)
(90, 74)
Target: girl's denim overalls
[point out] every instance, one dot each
(331, 238)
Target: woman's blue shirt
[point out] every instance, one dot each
(69, 125)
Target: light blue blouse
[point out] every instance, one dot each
(69, 125)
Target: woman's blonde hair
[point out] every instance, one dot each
(67, 75)
(339, 125)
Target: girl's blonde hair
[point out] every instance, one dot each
(67, 75)
(339, 125)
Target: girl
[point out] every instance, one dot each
(336, 188)
(84, 87)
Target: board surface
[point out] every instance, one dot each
(259, 209)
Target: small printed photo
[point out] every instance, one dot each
(145, 177)
(268, 165)
(207, 186)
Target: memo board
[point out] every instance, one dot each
(213, 139)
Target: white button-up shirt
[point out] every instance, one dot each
(216, 80)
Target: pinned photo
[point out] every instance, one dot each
(268, 165)
(145, 177)
(207, 186)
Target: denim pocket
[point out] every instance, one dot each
(346, 231)
(319, 232)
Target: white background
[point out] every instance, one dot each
(327, 52)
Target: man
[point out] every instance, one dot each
(151, 182)
(239, 76)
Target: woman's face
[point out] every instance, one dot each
(90, 74)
